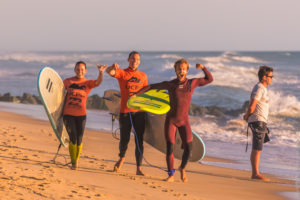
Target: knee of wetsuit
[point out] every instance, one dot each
(170, 148)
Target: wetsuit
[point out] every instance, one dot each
(180, 94)
(130, 81)
(74, 114)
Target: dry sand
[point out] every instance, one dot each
(27, 147)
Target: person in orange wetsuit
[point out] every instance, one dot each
(74, 113)
(130, 81)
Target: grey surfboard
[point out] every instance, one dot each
(154, 130)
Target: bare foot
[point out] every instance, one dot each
(139, 171)
(119, 164)
(170, 179)
(259, 177)
(183, 175)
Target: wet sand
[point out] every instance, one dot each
(27, 170)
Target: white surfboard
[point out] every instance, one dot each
(52, 92)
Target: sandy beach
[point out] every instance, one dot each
(28, 146)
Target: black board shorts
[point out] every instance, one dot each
(260, 134)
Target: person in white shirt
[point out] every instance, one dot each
(257, 116)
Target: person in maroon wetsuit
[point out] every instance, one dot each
(180, 94)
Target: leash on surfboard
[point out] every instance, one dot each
(113, 119)
(114, 132)
(56, 155)
(138, 145)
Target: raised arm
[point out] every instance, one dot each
(208, 78)
(101, 69)
(111, 70)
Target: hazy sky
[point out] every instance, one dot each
(155, 25)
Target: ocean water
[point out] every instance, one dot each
(235, 73)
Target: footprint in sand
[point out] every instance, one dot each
(177, 195)
(102, 166)
(4, 150)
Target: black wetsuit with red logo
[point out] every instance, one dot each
(180, 94)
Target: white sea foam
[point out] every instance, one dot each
(232, 76)
(283, 105)
(33, 57)
(217, 59)
(290, 79)
(168, 65)
(69, 66)
(228, 57)
(248, 59)
(53, 57)
(169, 56)
(234, 131)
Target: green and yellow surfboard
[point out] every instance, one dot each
(152, 101)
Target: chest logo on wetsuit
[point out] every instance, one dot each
(76, 94)
(134, 80)
(75, 86)
(134, 84)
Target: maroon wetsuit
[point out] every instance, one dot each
(180, 94)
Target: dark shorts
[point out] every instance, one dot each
(75, 126)
(260, 134)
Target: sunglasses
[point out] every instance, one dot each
(270, 76)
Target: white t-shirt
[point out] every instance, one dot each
(261, 112)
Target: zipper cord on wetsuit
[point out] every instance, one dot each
(138, 146)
